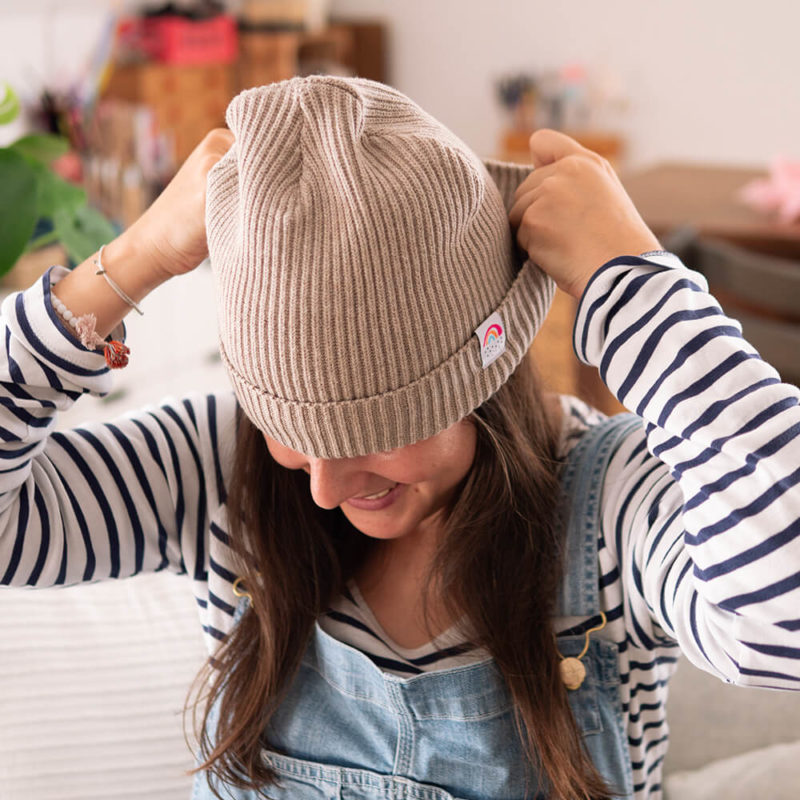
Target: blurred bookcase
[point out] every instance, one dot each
(190, 99)
(153, 114)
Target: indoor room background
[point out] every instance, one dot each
(691, 100)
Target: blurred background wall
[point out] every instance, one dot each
(710, 81)
(713, 80)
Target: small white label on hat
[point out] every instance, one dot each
(491, 334)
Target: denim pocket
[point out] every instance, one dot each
(308, 780)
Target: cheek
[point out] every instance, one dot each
(285, 456)
(462, 464)
(459, 448)
(446, 461)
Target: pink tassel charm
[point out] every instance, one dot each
(116, 354)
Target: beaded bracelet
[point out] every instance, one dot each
(116, 353)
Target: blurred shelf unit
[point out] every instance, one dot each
(127, 161)
(188, 100)
(346, 48)
(153, 114)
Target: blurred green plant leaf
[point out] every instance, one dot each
(30, 191)
(9, 104)
(54, 193)
(82, 231)
(18, 201)
(42, 147)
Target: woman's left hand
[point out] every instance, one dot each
(572, 214)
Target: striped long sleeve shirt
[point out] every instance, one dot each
(698, 544)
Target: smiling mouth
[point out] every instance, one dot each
(378, 495)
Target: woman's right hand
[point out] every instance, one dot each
(172, 230)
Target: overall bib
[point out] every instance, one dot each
(349, 731)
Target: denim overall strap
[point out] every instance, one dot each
(582, 483)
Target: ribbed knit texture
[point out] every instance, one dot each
(357, 244)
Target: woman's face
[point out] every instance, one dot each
(427, 472)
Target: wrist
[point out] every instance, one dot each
(134, 264)
(631, 247)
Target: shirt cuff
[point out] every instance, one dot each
(32, 319)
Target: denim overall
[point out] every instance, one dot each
(349, 731)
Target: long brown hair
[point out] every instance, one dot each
(503, 529)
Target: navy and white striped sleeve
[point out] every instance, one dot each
(702, 508)
(105, 500)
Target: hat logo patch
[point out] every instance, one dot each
(491, 334)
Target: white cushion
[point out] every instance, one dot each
(769, 772)
(92, 685)
(710, 719)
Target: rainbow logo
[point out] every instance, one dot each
(492, 334)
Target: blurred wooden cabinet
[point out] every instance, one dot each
(190, 100)
(187, 100)
(357, 48)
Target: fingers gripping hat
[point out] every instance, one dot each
(369, 290)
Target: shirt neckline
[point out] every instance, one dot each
(449, 638)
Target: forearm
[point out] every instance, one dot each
(706, 540)
(129, 263)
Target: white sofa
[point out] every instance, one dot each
(92, 685)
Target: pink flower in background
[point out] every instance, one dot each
(777, 194)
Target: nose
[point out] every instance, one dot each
(333, 480)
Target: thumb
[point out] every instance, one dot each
(547, 146)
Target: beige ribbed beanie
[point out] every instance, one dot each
(369, 290)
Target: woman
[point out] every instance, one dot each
(501, 623)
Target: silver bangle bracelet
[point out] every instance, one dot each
(101, 270)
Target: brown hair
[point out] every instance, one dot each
(503, 529)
